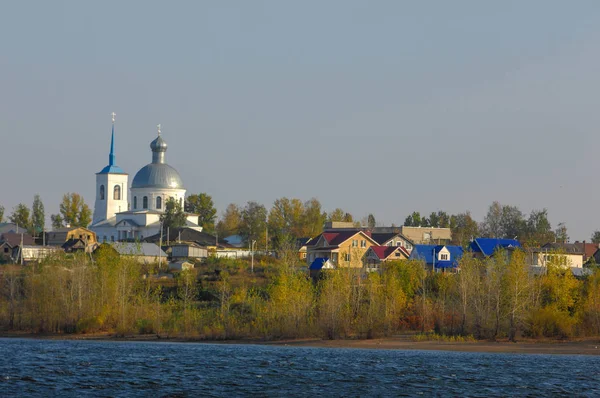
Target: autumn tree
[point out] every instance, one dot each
(561, 233)
(173, 217)
(38, 215)
(286, 220)
(73, 212)
(503, 221)
(340, 215)
(253, 222)
(231, 220)
(464, 228)
(202, 204)
(313, 218)
(1, 213)
(21, 216)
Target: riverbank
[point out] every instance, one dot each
(590, 346)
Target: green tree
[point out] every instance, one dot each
(504, 221)
(230, 222)
(57, 221)
(286, 220)
(202, 204)
(463, 228)
(1, 213)
(561, 233)
(539, 230)
(38, 216)
(413, 220)
(313, 218)
(595, 235)
(21, 216)
(173, 217)
(254, 222)
(339, 215)
(371, 223)
(73, 211)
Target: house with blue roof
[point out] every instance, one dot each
(486, 247)
(438, 257)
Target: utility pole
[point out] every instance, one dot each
(160, 248)
(21, 248)
(252, 255)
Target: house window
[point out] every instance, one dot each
(117, 193)
(398, 243)
(443, 257)
(346, 256)
(397, 254)
(101, 192)
(145, 202)
(158, 202)
(135, 203)
(408, 246)
(363, 243)
(6, 250)
(354, 243)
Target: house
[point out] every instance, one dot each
(181, 265)
(344, 248)
(145, 253)
(392, 239)
(74, 245)
(427, 235)
(60, 236)
(187, 234)
(586, 250)
(188, 250)
(486, 247)
(379, 254)
(302, 248)
(440, 257)
(318, 265)
(10, 240)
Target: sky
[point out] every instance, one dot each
(382, 107)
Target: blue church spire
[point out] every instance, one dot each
(112, 167)
(111, 156)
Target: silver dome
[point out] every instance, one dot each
(157, 175)
(158, 145)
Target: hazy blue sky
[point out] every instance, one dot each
(373, 106)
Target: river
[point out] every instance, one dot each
(46, 368)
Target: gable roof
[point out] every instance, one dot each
(11, 227)
(383, 252)
(14, 239)
(320, 263)
(425, 253)
(382, 237)
(337, 238)
(587, 249)
(487, 246)
(188, 235)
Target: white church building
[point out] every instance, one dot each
(122, 215)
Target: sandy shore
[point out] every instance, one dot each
(589, 346)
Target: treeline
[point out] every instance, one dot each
(489, 299)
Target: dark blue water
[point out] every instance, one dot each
(87, 368)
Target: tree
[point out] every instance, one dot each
(1, 213)
(371, 221)
(286, 219)
(561, 233)
(20, 216)
(413, 220)
(73, 211)
(230, 222)
(595, 236)
(503, 222)
(202, 204)
(340, 215)
(173, 217)
(539, 230)
(57, 221)
(463, 228)
(313, 218)
(254, 222)
(38, 216)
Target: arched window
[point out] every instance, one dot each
(117, 193)
(158, 202)
(145, 202)
(135, 203)
(101, 192)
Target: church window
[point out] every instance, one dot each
(158, 202)
(117, 193)
(135, 203)
(145, 202)
(101, 192)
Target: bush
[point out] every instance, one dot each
(88, 325)
(551, 322)
(144, 326)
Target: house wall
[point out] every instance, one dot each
(426, 235)
(356, 253)
(185, 251)
(60, 237)
(543, 259)
(152, 194)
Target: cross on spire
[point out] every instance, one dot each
(158, 127)
(113, 116)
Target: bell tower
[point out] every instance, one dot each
(111, 187)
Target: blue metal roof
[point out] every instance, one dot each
(318, 263)
(488, 246)
(425, 253)
(112, 169)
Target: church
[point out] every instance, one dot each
(124, 213)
